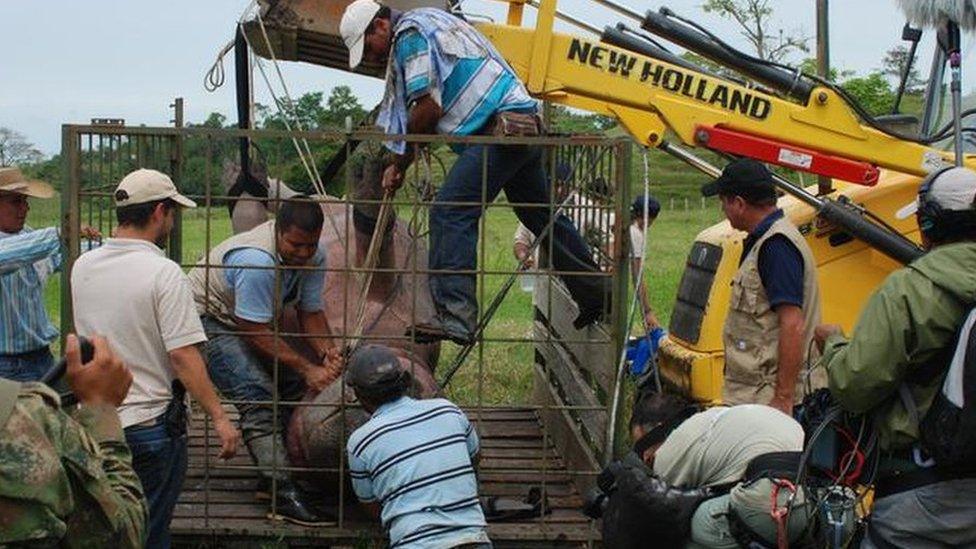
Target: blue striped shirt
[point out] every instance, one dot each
(440, 55)
(26, 259)
(414, 457)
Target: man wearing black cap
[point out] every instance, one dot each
(415, 458)
(774, 304)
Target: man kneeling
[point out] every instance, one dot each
(414, 458)
(720, 469)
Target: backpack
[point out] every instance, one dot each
(948, 430)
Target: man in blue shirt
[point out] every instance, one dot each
(413, 462)
(241, 292)
(26, 332)
(774, 304)
(445, 77)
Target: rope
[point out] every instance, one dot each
(216, 76)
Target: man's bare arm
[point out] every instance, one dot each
(790, 348)
(316, 324)
(192, 372)
(422, 119)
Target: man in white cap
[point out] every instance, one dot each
(130, 292)
(894, 367)
(29, 256)
(444, 77)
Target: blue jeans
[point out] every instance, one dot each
(30, 366)
(518, 170)
(239, 374)
(160, 460)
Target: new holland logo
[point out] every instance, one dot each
(670, 79)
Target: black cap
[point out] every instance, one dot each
(653, 206)
(375, 370)
(744, 177)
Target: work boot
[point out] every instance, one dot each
(292, 505)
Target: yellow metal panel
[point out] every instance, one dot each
(683, 99)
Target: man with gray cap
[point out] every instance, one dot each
(415, 458)
(29, 257)
(129, 291)
(775, 300)
(895, 363)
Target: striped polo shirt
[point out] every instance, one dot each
(24, 323)
(414, 457)
(438, 54)
(469, 96)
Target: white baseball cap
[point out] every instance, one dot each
(12, 180)
(352, 27)
(144, 185)
(953, 189)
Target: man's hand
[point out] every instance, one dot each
(230, 437)
(824, 331)
(104, 380)
(332, 358)
(392, 178)
(91, 233)
(317, 378)
(650, 321)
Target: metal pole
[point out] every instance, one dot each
(176, 173)
(824, 183)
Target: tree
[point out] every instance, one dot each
(754, 19)
(873, 92)
(893, 65)
(341, 104)
(16, 149)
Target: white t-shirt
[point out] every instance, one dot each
(129, 292)
(636, 242)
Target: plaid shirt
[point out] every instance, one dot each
(26, 260)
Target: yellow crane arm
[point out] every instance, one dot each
(648, 96)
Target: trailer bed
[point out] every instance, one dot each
(217, 506)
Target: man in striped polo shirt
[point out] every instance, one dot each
(444, 77)
(413, 462)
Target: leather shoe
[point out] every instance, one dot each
(293, 506)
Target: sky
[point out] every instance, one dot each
(68, 61)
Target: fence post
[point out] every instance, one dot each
(70, 220)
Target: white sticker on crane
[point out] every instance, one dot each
(932, 161)
(795, 158)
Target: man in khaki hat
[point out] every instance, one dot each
(26, 331)
(130, 292)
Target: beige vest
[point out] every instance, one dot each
(751, 333)
(213, 296)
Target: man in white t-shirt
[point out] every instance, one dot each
(130, 292)
(643, 212)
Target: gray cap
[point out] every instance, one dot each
(375, 369)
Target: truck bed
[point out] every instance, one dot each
(217, 507)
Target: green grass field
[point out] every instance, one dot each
(504, 368)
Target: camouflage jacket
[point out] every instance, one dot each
(65, 480)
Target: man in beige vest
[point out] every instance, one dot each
(241, 289)
(775, 302)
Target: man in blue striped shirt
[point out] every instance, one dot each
(444, 77)
(413, 462)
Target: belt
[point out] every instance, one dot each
(28, 354)
(903, 482)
